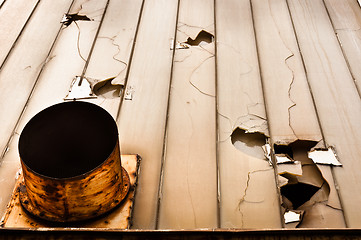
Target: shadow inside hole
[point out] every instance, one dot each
(202, 38)
(69, 18)
(106, 89)
(298, 146)
(249, 143)
(300, 189)
(298, 193)
(283, 149)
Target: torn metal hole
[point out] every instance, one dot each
(302, 147)
(302, 183)
(84, 88)
(249, 143)
(289, 170)
(202, 38)
(107, 89)
(69, 18)
(298, 193)
(283, 149)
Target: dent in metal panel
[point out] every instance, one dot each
(249, 143)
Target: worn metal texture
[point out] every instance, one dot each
(198, 89)
(64, 180)
(79, 198)
(120, 217)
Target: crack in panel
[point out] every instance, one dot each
(192, 73)
(125, 65)
(291, 55)
(243, 198)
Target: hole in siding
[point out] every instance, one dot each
(298, 193)
(283, 149)
(69, 18)
(249, 143)
(106, 89)
(202, 38)
(303, 187)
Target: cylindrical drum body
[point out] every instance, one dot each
(71, 162)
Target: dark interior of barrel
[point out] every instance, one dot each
(68, 139)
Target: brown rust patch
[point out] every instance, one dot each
(116, 219)
(120, 191)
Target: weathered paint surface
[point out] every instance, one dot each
(47, 55)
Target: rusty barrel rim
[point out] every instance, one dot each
(83, 118)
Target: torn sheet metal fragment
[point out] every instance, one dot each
(294, 168)
(267, 152)
(311, 175)
(129, 93)
(293, 216)
(283, 158)
(178, 45)
(323, 156)
(80, 89)
(69, 18)
(333, 200)
(252, 124)
(282, 181)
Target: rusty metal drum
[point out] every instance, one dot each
(71, 163)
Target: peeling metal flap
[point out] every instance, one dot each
(324, 156)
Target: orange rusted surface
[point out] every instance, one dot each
(70, 172)
(77, 198)
(120, 217)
